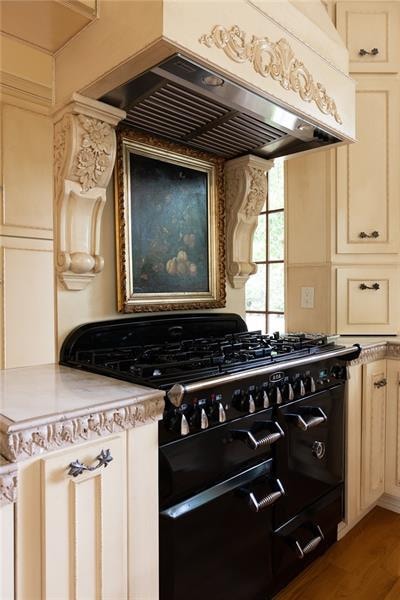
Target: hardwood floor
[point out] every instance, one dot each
(364, 565)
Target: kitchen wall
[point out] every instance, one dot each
(33, 308)
(98, 300)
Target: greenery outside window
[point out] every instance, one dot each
(265, 290)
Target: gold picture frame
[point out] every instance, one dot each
(169, 226)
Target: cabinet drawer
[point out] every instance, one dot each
(368, 184)
(367, 300)
(370, 31)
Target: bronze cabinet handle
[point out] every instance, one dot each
(373, 235)
(380, 383)
(103, 460)
(374, 286)
(372, 52)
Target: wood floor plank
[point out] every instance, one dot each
(364, 565)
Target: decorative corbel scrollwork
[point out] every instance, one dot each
(246, 192)
(84, 156)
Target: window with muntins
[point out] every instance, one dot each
(265, 290)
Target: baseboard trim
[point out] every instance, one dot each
(390, 503)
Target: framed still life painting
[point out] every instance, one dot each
(170, 226)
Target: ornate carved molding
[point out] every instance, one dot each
(17, 445)
(381, 350)
(272, 59)
(8, 485)
(246, 192)
(84, 156)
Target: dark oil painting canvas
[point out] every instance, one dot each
(169, 220)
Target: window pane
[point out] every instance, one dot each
(276, 186)
(255, 321)
(256, 290)
(276, 323)
(276, 287)
(276, 228)
(259, 245)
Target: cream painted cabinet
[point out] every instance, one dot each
(392, 468)
(367, 299)
(370, 32)
(7, 552)
(93, 536)
(368, 182)
(26, 302)
(373, 432)
(72, 531)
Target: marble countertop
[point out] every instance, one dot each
(368, 341)
(51, 406)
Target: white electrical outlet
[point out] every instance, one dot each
(307, 297)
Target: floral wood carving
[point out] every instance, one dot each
(30, 442)
(8, 486)
(84, 155)
(246, 191)
(95, 154)
(272, 59)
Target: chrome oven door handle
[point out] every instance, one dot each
(311, 545)
(261, 433)
(310, 417)
(268, 500)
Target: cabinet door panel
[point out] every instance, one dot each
(367, 26)
(26, 302)
(27, 207)
(85, 539)
(367, 172)
(373, 433)
(367, 299)
(7, 552)
(392, 467)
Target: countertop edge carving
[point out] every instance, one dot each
(8, 484)
(378, 351)
(27, 442)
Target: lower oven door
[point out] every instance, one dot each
(217, 544)
(304, 538)
(310, 457)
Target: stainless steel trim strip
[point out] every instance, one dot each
(289, 364)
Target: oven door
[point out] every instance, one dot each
(310, 457)
(217, 544)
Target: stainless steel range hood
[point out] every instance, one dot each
(185, 102)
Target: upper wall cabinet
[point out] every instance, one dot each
(26, 209)
(368, 188)
(370, 32)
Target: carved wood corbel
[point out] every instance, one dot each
(84, 156)
(246, 192)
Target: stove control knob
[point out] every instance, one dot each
(203, 419)
(184, 425)
(278, 395)
(252, 404)
(290, 392)
(302, 389)
(221, 413)
(312, 385)
(265, 399)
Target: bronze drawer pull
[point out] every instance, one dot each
(373, 235)
(372, 52)
(380, 383)
(77, 468)
(374, 286)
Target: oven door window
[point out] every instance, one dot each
(216, 544)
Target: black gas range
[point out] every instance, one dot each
(251, 467)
